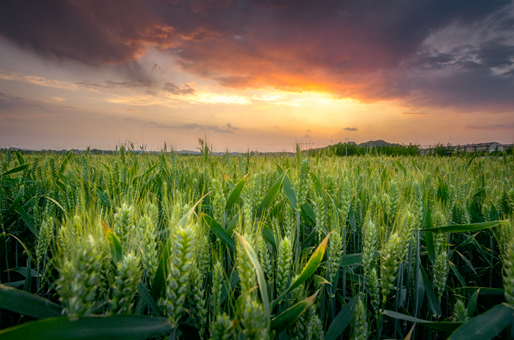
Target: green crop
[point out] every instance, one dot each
(135, 246)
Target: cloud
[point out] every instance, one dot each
(235, 81)
(468, 76)
(11, 105)
(390, 50)
(495, 53)
(206, 128)
(38, 80)
(492, 127)
(114, 84)
(350, 129)
(470, 90)
(414, 113)
(11, 102)
(67, 30)
(228, 128)
(174, 89)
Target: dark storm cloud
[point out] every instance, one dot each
(481, 78)
(495, 53)
(470, 89)
(467, 77)
(71, 30)
(369, 50)
(90, 32)
(430, 61)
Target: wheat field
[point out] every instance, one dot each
(153, 246)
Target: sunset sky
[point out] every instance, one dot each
(262, 75)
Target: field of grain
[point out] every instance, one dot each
(137, 246)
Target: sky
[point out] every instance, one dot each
(257, 75)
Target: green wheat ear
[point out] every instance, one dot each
(301, 328)
(508, 273)
(510, 196)
(264, 257)
(390, 259)
(149, 254)
(369, 247)
(441, 267)
(334, 256)
(128, 276)
(360, 322)
(179, 266)
(245, 269)
(80, 278)
(441, 270)
(219, 201)
(345, 200)
(317, 328)
(254, 321)
(303, 182)
(504, 235)
(222, 328)
(460, 312)
(46, 231)
(320, 211)
(196, 300)
(217, 283)
(284, 263)
(124, 224)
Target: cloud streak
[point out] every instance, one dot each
(228, 128)
(110, 85)
(414, 113)
(13, 76)
(492, 127)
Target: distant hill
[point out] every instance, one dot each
(374, 143)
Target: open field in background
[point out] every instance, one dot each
(135, 246)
